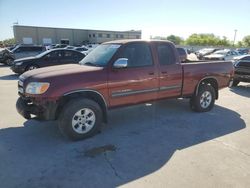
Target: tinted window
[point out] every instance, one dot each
(165, 54)
(35, 48)
(68, 54)
(137, 54)
(246, 58)
(181, 51)
(55, 54)
(243, 64)
(20, 49)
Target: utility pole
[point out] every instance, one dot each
(235, 32)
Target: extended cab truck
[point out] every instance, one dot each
(115, 74)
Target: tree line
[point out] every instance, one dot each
(192, 40)
(205, 40)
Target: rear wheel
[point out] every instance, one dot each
(80, 119)
(9, 61)
(204, 100)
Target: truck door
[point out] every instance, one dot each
(138, 82)
(170, 71)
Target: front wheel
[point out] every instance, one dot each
(80, 119)
(9, 61)
(204, 100)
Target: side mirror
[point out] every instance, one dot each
(121, 63)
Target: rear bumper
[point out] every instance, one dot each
(44, 111)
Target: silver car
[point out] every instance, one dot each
(27, 51)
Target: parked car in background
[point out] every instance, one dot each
(21, 51)
(59, 46)
(243, 51)
(70, 47)
(48, 58)
(242, 69)
(205, 51)
(222, 55)
(182, 53)
(81, 49)
(6, 57)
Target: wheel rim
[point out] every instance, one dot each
(32, 67)
(9, 61)
(83, 120)
(206, 99)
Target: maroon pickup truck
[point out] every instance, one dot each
(115, 74)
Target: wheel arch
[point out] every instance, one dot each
(210, 81)
(89, 94)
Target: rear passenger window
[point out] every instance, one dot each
(138, 55)
(68, 54)
(165, 54)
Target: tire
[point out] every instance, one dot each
(73, 119)
(8, 61)
(31, 67)
(204, 100)
(235, 83)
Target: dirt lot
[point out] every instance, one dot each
(163, 144)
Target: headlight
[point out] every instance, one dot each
(19, 63)
(37, 87)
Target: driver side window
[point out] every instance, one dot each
(138, 55)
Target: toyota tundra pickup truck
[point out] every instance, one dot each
(116, 74)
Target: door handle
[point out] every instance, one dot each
(151, 73)
(164, 72)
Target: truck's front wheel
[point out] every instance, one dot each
(80, 119)
(204, 100)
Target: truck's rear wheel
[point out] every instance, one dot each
(80, 119)
(204, 100)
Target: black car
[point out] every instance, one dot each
(242, 70)
(48, 58)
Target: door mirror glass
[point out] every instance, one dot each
(121, 63)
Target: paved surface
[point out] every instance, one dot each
(163, 144)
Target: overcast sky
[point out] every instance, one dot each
(154, 17)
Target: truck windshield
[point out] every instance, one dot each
(101, 55)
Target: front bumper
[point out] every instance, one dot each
(42, 110)
(17, 69)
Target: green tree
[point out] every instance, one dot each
(207, 40)
(246, 41)
(159, 38)
(175, 39)
(8, 42)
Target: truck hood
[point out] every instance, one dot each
(60, 71)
